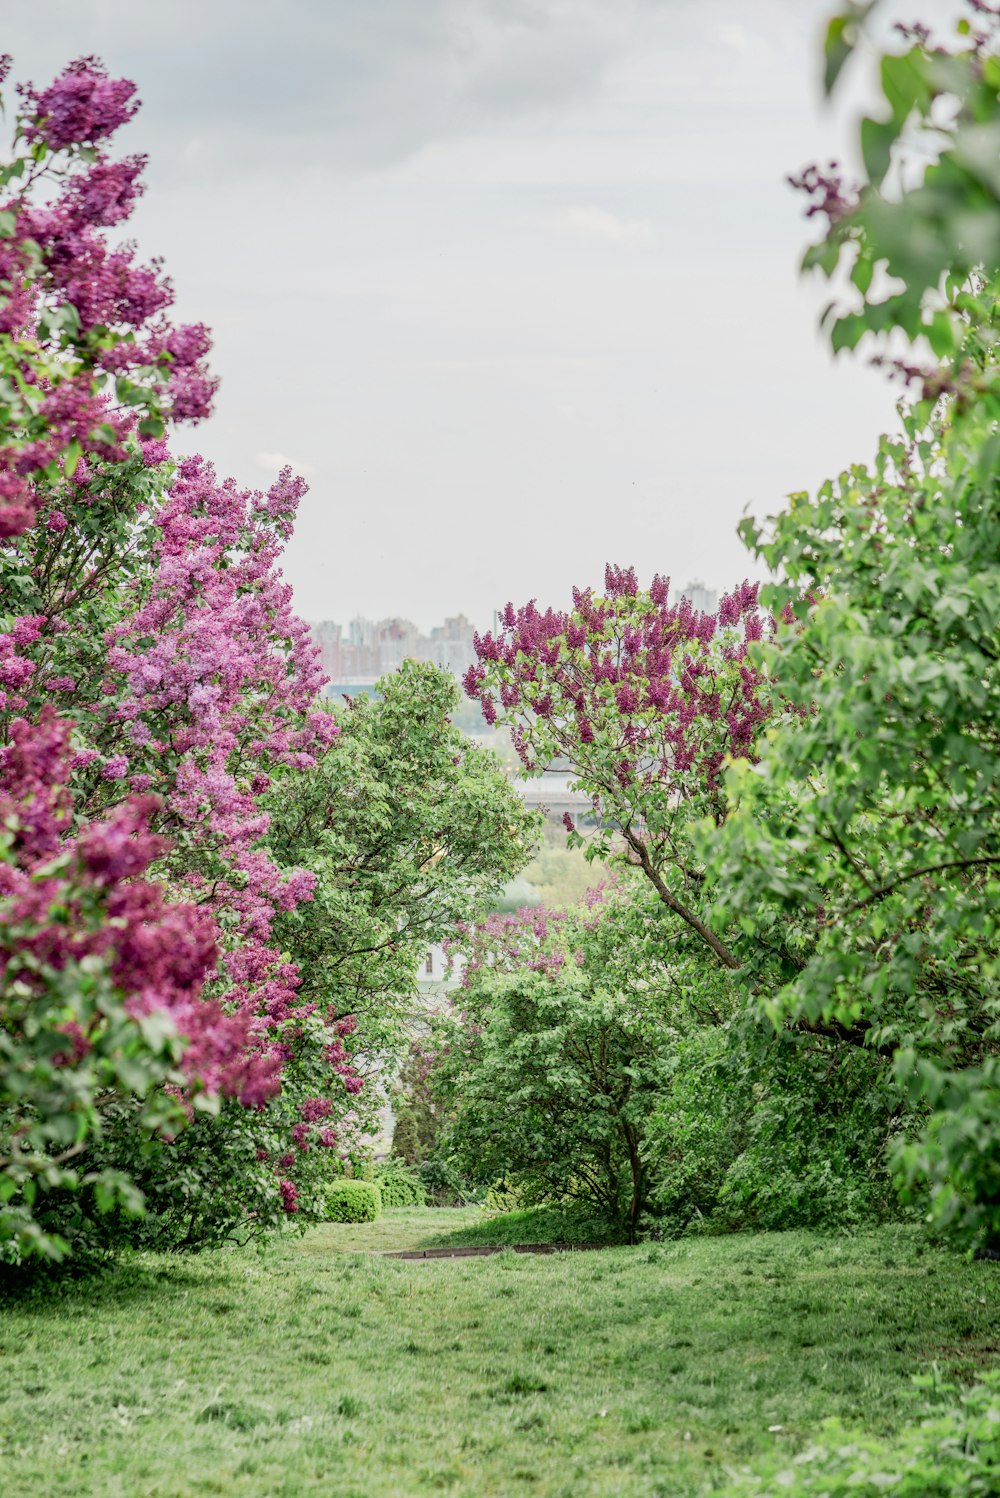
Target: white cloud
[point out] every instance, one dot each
(273, 462)
(597, 223)
(361, 84)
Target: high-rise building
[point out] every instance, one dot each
(327, 637)
(370, 648)
(703, 600)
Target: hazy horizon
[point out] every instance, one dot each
(512, 282)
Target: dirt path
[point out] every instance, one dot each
(483, 1251)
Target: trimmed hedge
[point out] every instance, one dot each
(353, 1201)
(399, 1186)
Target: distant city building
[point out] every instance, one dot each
(703, 600)
(451, 645)
(370, 649)
(327, 637)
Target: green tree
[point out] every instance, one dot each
(871, 823)
(559, 1053)
(411, 830)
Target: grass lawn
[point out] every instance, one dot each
(458, 1227)
(311, 1367)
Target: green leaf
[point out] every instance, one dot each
(988, 464)
(847, 331)
(837, 48)
(905, 85)
(73, 454)
(841, 39)
(877, 140)
(862, 272)
(941, 335)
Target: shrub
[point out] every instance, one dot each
(445, 1184)
(544, 1224)
(954, 1452)
(399, 1187)
(758, 1132)
(353, 1201)
(405, 1137)
(502, 1196)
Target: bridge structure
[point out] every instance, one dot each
(554, 794)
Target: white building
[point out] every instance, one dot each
(703, 600)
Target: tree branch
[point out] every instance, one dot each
(880, 891)
(722, 952)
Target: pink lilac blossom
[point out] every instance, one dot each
(235, 675)
(640, 694)
(529, 938)
(63, 281)
(224, 696)
(81, 107)
(159, 954)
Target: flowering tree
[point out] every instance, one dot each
(645, 700)
(102, 984)
(143, 597)
(157, 614)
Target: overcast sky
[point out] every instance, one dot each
(513, 282)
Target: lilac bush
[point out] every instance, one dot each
(145, 633)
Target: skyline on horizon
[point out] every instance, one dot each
(703, 598)
(514, 288)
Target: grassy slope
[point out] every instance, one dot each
(639, 1371)
(418, 1227)
(530, 1225)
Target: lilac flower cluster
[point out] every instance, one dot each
(643, 697)
(87, 343)
(830, 196)
(68, 895)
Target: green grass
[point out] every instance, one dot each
(532, 1225)
(458, 1227)
(644, 1371)
(402, 1227)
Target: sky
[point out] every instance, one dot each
(513, 283)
